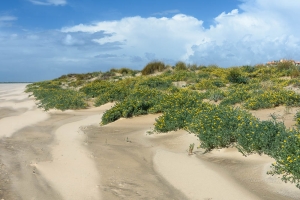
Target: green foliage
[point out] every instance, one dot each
(297, 118)
(272, 98)
(235, 76)
(123, 71)
(204, 84)
(248, 68)
(216, 125)
(180, 66)
(181, 75)
(79, 76)
(176, 108)
(107, 75)
(96, 88)
(139, 102)
(51, 95)
(152, 67)
(154, 82)
(236, 95)
(192, 67)
(285, 65)
(108, 91)
(216, 95)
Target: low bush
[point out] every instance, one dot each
(235, 76)
(180, 66)
(138, 102)
(51, 96)
(272, 98)
(152, 67)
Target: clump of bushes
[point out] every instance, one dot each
(138, 102)
(124, 71)
(235, 76)
(272, 98)
(285, 65)
(180, 66)
(154, 82)
(51, 95)
(153, 67)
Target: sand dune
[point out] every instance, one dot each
(68, 155)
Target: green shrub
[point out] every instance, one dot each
(272, 98)
(96, 88)
(125, 71)
(176, 108)
(152, 67)
(138, 102)
(235, 76)
(180, 66)
(181, 75)
(285, 65)
(205, 84)
(58, 98)
(216, 95)
(154, 82)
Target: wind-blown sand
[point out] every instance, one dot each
(68, 155)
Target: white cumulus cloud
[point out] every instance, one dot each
(255, 32)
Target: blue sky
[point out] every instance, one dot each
(44, 39)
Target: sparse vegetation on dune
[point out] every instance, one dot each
(217, 126)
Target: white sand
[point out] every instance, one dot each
(10, 125)
(72, 172)
(193, 178)
(33, 115)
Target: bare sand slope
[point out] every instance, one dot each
(283, 113)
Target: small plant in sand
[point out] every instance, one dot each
(287, 109)
(191, 149)
(150, 132)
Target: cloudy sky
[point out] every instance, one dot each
(44, 39)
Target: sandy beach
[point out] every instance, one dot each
(68, 155)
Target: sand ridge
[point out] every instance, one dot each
(71, 171)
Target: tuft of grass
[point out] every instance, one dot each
(180, 66)
(152, 67)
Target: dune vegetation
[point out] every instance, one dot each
(209, 101)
